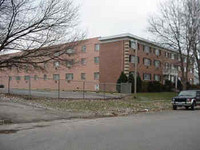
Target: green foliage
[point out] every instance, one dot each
(168, 86)
(179, 85)
(122, 79)
(154, 86)
(139, 84)
(131, 80)
(145, 86)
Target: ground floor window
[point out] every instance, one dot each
(69, 76)
(157, 77)
(96, 75)
(56, 76)
(147, 76)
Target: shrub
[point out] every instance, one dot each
(139, 84)
(144, 86)
(154, 86)
(179, 85)
(131, 80)
(168, 85)
(122, 79)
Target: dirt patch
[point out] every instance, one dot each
(8, 131)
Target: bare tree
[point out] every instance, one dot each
(171, 28)
(30, 29)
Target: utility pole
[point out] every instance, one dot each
(136, 62)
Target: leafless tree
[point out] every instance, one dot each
(171, 26)
(30, 28)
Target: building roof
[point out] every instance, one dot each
(128, 35)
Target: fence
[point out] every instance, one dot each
(61, 88)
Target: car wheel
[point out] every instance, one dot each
(193, 104)
(174, 107)
(186, 107)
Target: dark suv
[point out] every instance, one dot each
(189, 98)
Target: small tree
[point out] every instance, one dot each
(122, 79)
(179, 85)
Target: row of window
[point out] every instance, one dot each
(84, 48)
(71, 62)
(157, 63)
(68, 76)
(157, 52)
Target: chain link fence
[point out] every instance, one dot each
(61, 88)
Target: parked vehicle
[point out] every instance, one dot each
(188, 98)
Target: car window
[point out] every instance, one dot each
(198, 93)
(187, 93)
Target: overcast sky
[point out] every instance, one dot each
(110, 17)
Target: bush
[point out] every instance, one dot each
(145, 86)
(122, 79)
(154, 86)
(139, 84)
(179, 85)
(168, 86)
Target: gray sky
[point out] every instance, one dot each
(110, 17)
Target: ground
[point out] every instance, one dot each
(18, 109)
(169, 130)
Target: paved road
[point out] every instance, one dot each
(175, 130)
(64, 94)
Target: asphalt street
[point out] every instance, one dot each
(173, 130)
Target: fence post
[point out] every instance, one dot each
(83, 89)
(29, 88)
(58, 88)
(8, 84)
(104, 90)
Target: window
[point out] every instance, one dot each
(132, 59)
(179, 68)
(18, 78)
(184, 69)
(56, 64)
(10, 78)
(83, 49)
(132, 44)
(96, 75)
(157, 52)
(185, 60)
(191, 70)
(45, 76)
(147, 62)
(69, 76)
(35, 77)
(83, 76)
(83, 61)
(147, 76)
(167, 66)
(26, 77)
(70, 51)
(69, 63)
(56, 76)
(157, 63)
(96, 60)
(166, 54)
(156, 77)
(97, 47)
(146, 49)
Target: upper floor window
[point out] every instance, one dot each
(83, 61)
(56, 77)
(83, 49)
(147, 62)
(157, 63)
(167, 66)
(172, 56)
(96, 60)
(97, 47)
(132, 44)
(157, 52)
(83, 76)
(147, 76)
(69, 76)
(69, 63)
(45, 77)
(56, 64)
(35, 77)
(185, 60)
(132, 59)
(146, 49)
(96, 75)
(26, 77)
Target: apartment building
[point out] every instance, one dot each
(101, 60)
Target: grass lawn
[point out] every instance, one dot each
(128, 105)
